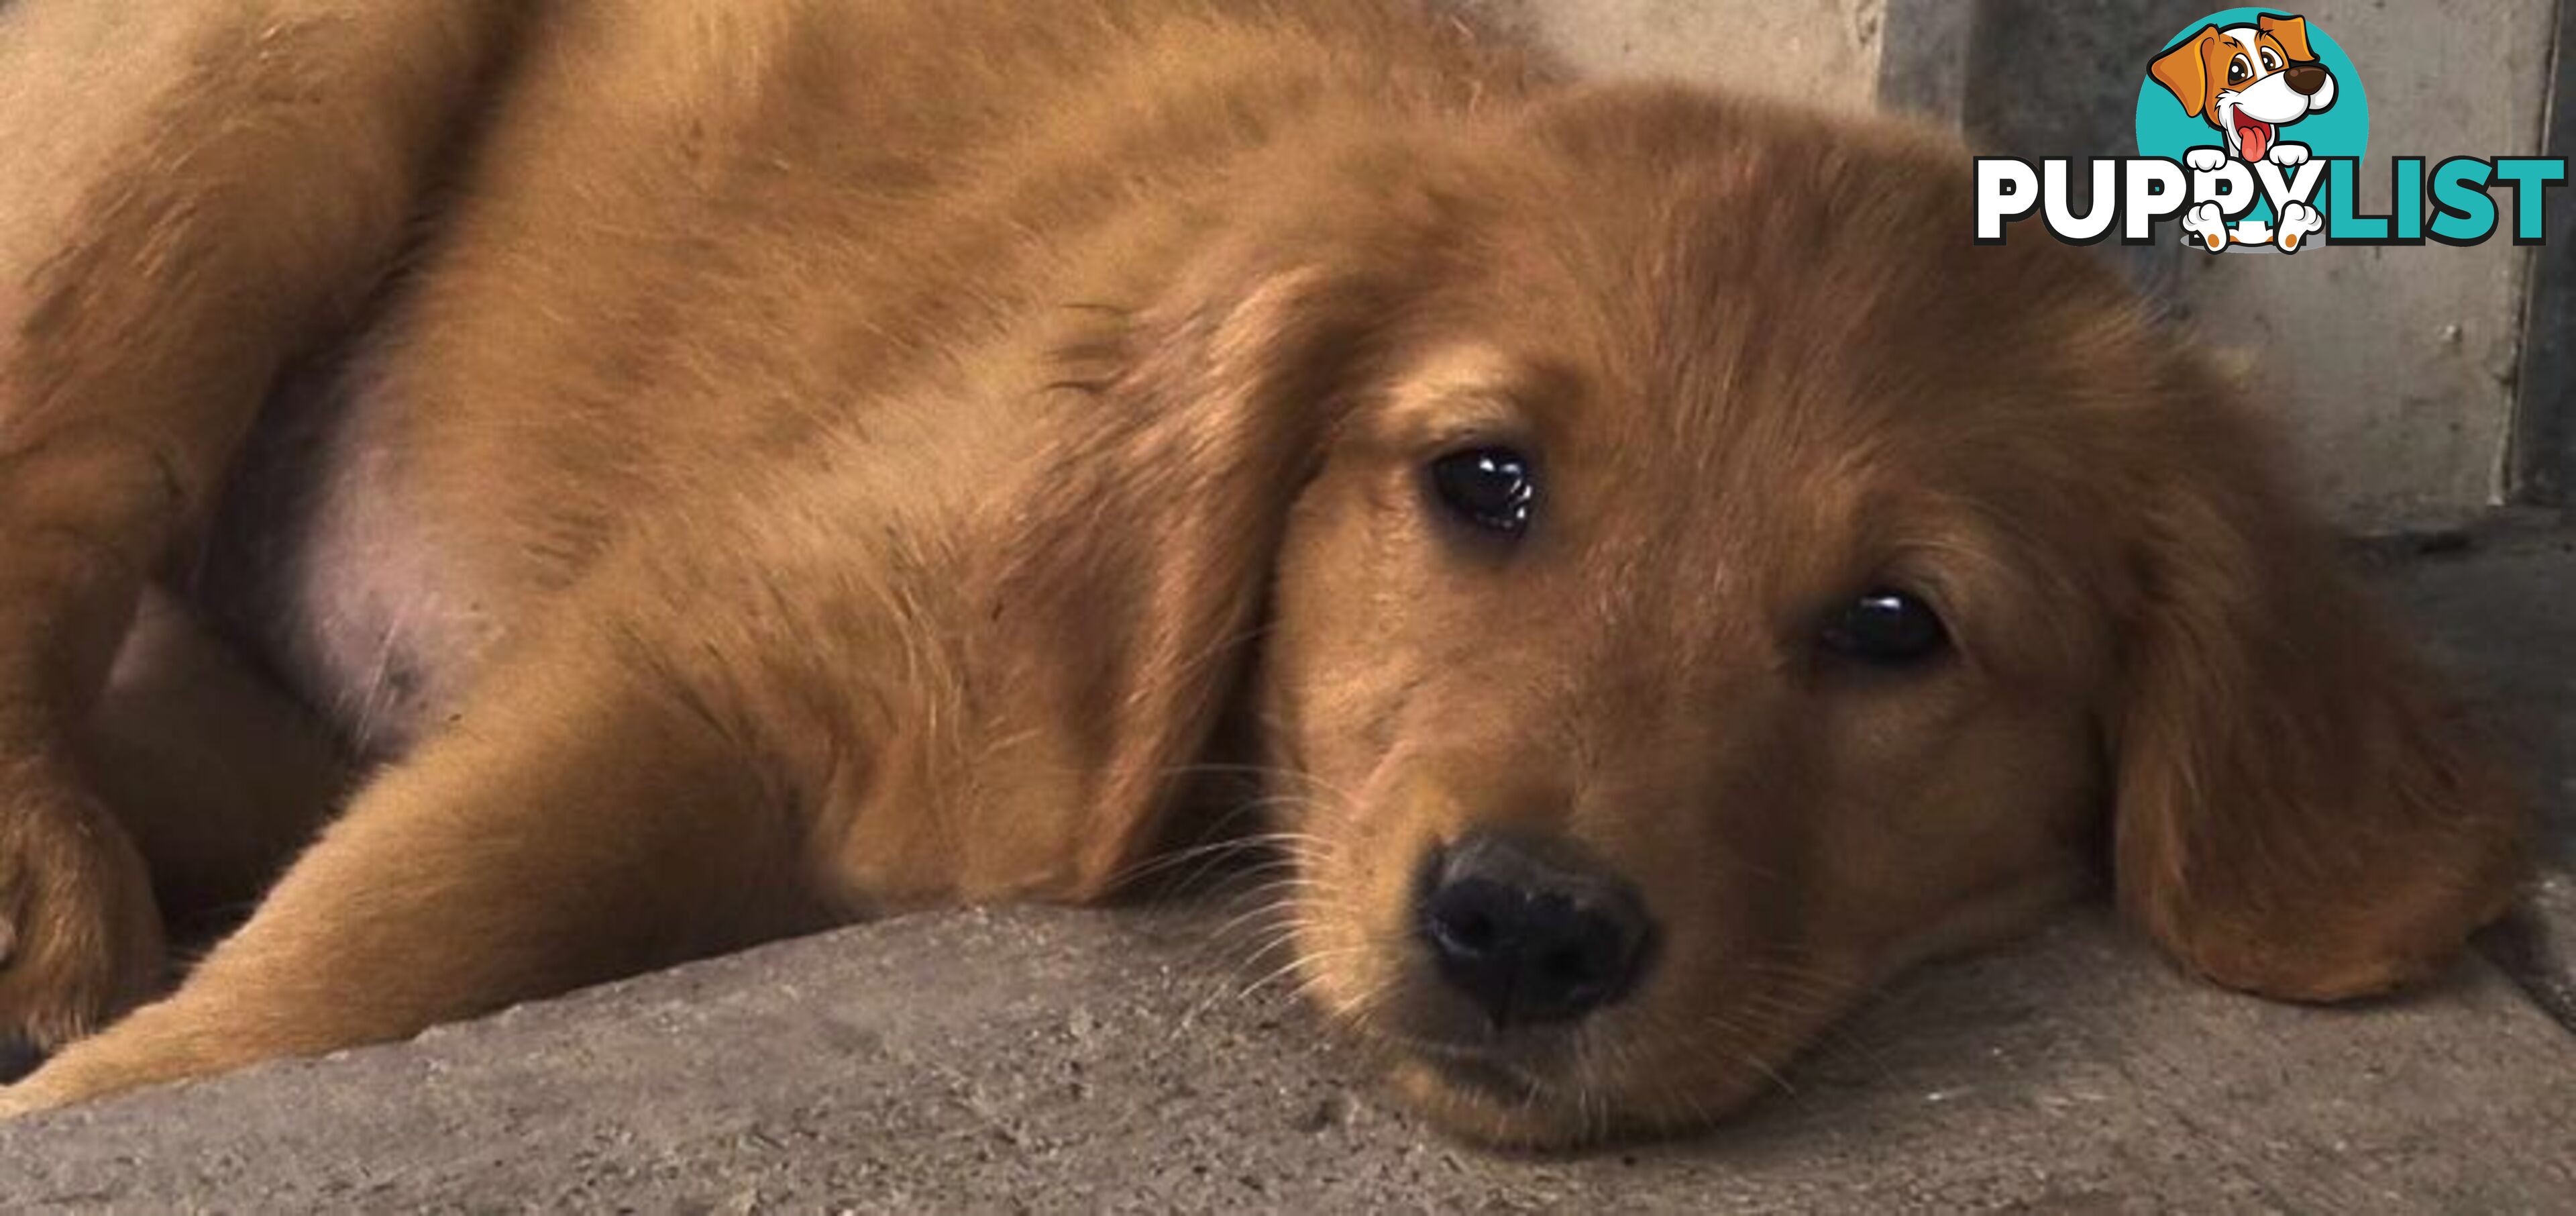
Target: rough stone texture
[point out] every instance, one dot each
(1067, 1061)
(2537, 945)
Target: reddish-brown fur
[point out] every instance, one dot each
(829, 458)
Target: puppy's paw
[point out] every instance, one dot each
(2206, 226)
(80, 935)
(16, 1100)
(2204, 159)
(2298, 222)
(160, 1043)
(41, 1091)
(2287, 155)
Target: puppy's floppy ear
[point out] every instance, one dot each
(2291, 32)
(1132, 606)
(2298, 814)
(2184, 71)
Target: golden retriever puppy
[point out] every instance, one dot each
(732, 466)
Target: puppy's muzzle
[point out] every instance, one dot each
(1529, 937)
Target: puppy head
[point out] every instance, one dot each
(1693, 582)
(2248, 80)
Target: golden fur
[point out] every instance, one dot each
(742, 466)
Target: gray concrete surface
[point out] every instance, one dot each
(1077, 1062)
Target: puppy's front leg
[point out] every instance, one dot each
(584, 818)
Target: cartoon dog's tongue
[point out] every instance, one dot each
(2255, 134)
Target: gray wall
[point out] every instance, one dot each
(1822, 51)
(2396, 365)
(2394, 369)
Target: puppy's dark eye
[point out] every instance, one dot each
(2238, 71)
(1886, 629)
(1491, 488)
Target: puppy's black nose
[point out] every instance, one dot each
(2306, 79)
(1530, 940)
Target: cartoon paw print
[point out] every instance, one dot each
(2297, 221)
(2206, 225)
(2287, 155)
(2205, 159)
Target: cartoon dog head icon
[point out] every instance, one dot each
(2249, 81)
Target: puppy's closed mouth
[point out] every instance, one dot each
(1493, 1072)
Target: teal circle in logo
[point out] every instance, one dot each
(2168, 128)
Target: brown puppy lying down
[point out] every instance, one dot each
(733, 466)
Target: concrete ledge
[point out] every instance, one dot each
(1069, 1061)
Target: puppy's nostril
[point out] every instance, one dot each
(1472, 932)
(1570, 967)
(1464, 919)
